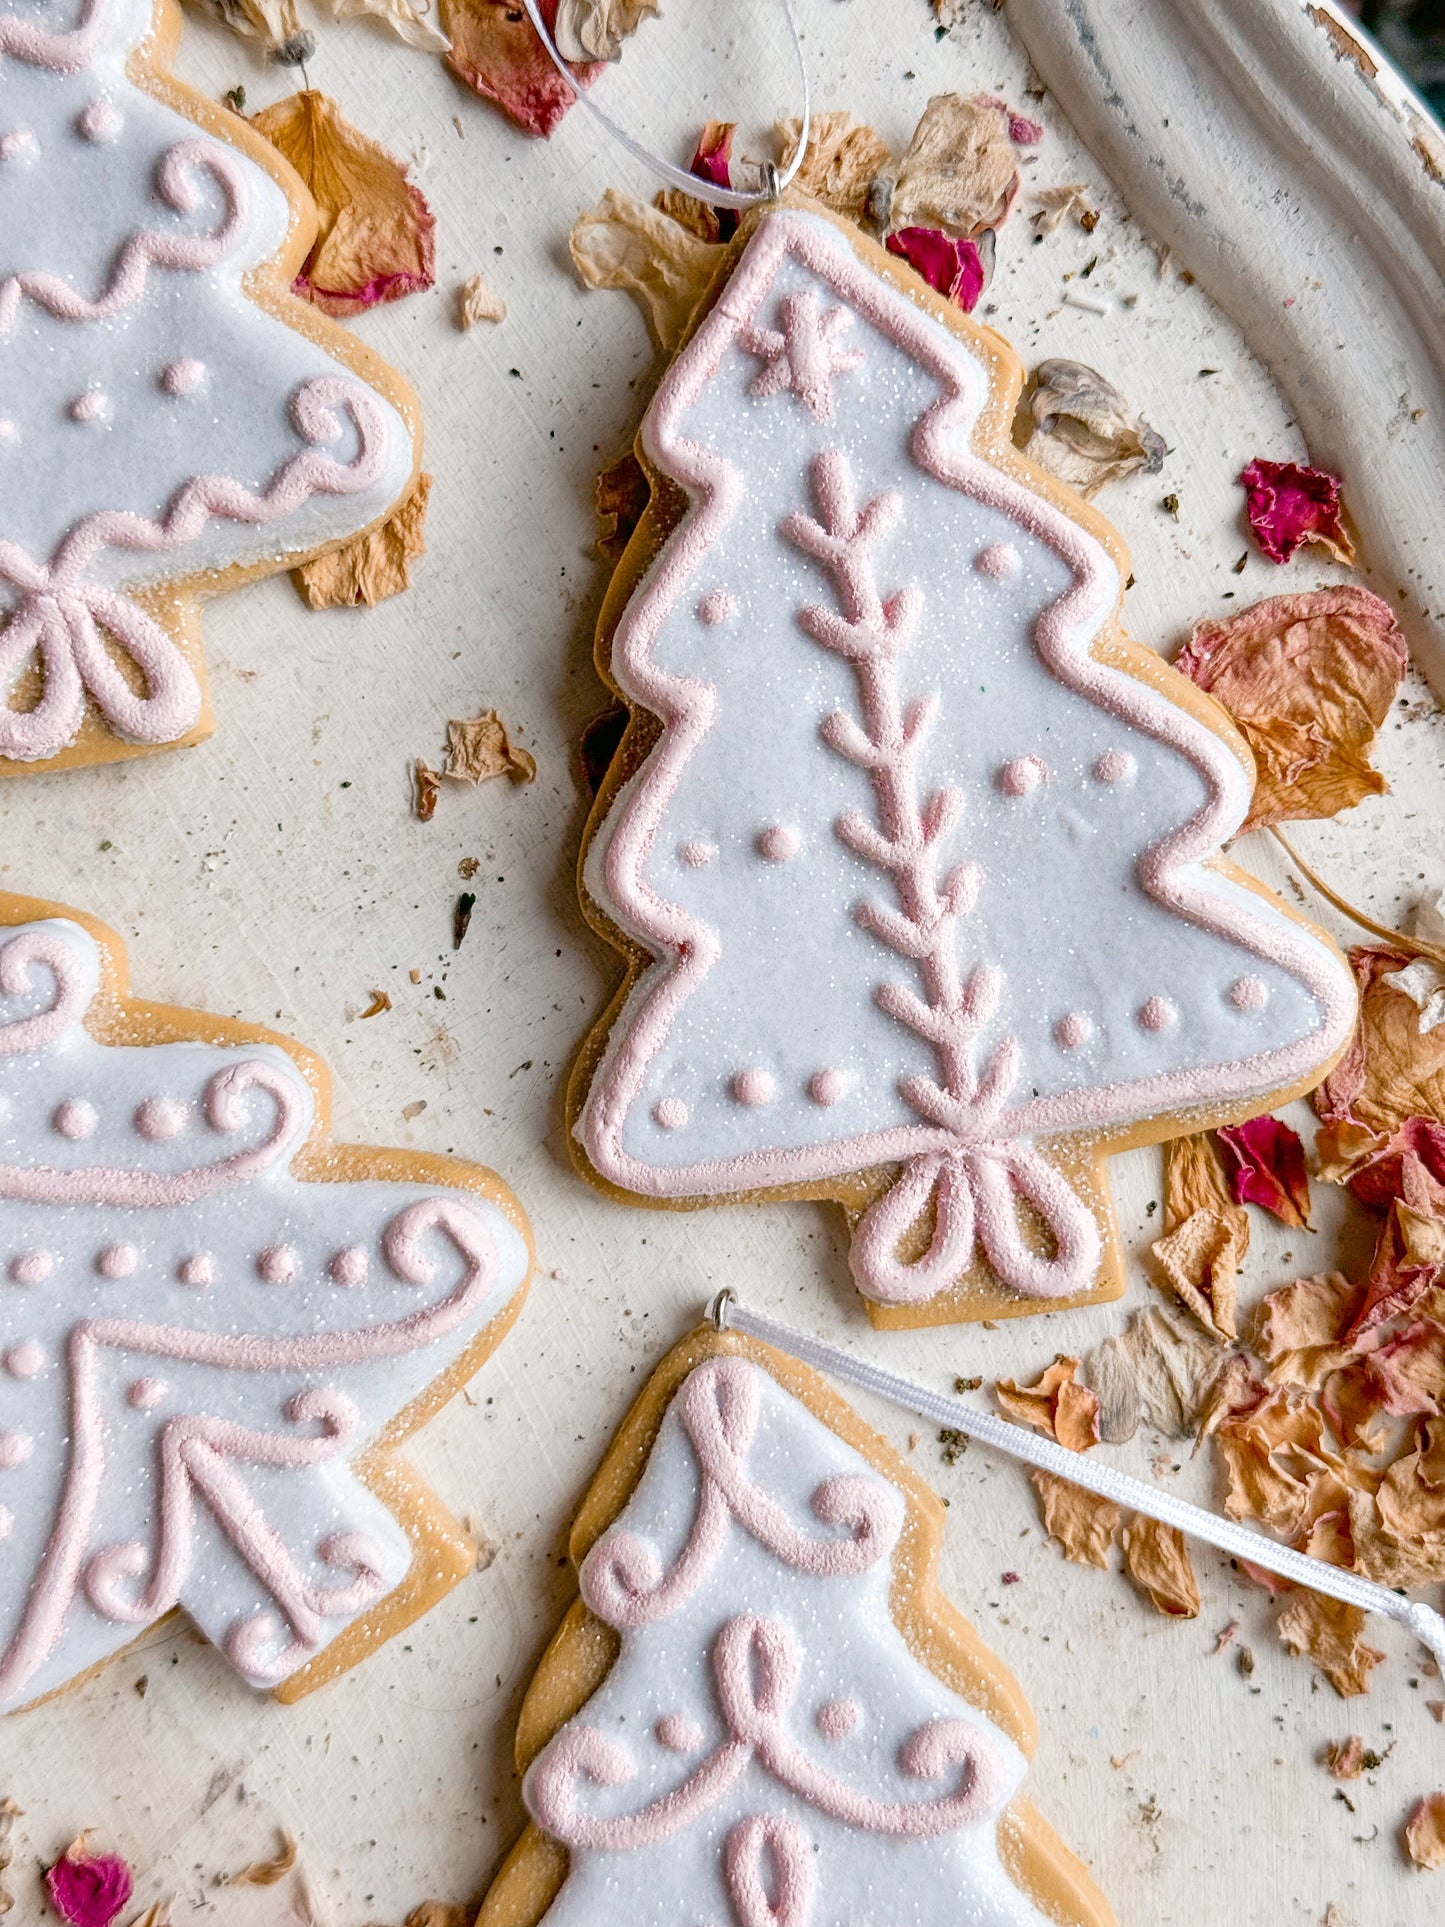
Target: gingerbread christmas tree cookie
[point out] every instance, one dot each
(172, 421)
(913, 856)
(762, 1712)
(216, 1326)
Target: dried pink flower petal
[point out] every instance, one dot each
(1265, 1163)
(1289, 504)
(954, 268)
(88, 1890)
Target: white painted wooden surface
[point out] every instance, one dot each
(276, 872)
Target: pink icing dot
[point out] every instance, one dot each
(827, 1087)
(183, 377)
(92, 406)
(1073, 1030)
(117, 1261)
(7, 1522)
(350, 1266)
(717, 607)
(31, 1267)
(999, 560)
(1249, 993)
(678, 1733)
(1157, 1013)
(161, 1117)
(145, 1394)
(671, 1113)
(278, 1264)
(779, 844)
(25, 1359)
(15, 1449)
(696, 854)
(753, 1087)
(1114, 766)
(14, 143)
(1021, 774)
(75, 1118)
(198, 1269)
(100, 121)
(837, 1719)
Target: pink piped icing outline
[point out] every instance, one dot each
(1064, 632)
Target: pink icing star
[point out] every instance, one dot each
(806, 355)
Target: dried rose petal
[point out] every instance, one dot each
(844, 159)
(375, 233)
(1289, 504)
(954, 268)
(1159, 1564)
(1055, 1404)
(601, 740)
(1083, 1523)
(711, 161)
(495, 50)
(1424, 1834)
(1332, 1635)
(1308, 680)
(1265, 1161)
(88, 1890)
(373, 566)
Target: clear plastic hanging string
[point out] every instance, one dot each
(1094, 1475)
(701, 190)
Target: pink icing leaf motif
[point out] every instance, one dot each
(1289, 504)
(85, 1889)
(954, 267)
(970, 1185)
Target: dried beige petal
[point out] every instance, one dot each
(1308, 679)
(1053, 205)
(960, 170)
(596, 29)
(480, 749)
(1055, 1404)
(370, 567)
(1345, 1759)
(1280, 1470)
(1300, 1328)
(417, 26)
(266, 1873)
(375, 235)
(10, 1812)
(158, 1914)
(428, 788)
(1084, 431)
(623, 243)
(271, 22)
(1331, 1634)
(1383, 1556)
(1159, 1564)
(1156, 1370)
(1425, 1832)
(1206, 1233)
(439, 1913)
(477, 302)
(844, 158)
(1083, 1523)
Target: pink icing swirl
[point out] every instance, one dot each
(756, 1669)
(63, 53)
(198, 1456)
(622, 1579)
(18, 959)
(66, 621)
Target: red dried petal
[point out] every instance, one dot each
(953, 267)
(1408, 1167)
(88, 1890)
(712, 161)
(495, 50)
(1265, 1163)
(1289, 504)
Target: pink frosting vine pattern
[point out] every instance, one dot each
(756, 1670)
(971, 1184)
(59, 618)
(200, 1456)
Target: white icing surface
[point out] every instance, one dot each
(66, 207)
(234, 1226)
(1062, 911)
(850, 1649)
